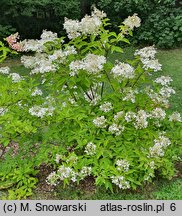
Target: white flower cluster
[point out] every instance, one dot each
(49, 100)
(130, 94)
(141, 120)
(72, 159)
(3, 111)
(38, 45)
(157, 98)
(147, 56)
(29, 61)
(72, 100)
(87, 25)
(120, 182)
(116, 129)
(19, 103)
(163, 80)
(149, 176)
(162, 96)
(176, 117)
(152, 164)
(130, 116)
(15, 77)
(43, 63)
(118, 116)
(132, 21)
(58, 158)
(32, 45)
(40, 63)
(163, 141)
(156, 151)
(92, 96)
(48, 36)
(37, 91)
(61, 55)
(90, 149)
(122, 165)
(85, 171)
(166, 91)
(106, 107)
(72, 28)
(98, 13)
(52, 179)
(74, 176)
(90, 25)
(91, 63)
(4, 70)
(123, 70)
(160, 144)
(40, 111)
(66, 172)
(146, 52)
(75, 66)
(158, 113)
(100, 122)
(152, 64)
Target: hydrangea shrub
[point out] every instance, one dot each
(87, 115)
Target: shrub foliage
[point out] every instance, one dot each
(86, 115)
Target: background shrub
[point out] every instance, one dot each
(161, 20)
(30, 17)
(6, 30)
(163, 28)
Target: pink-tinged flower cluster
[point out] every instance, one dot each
(13, 42)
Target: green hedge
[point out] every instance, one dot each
(30, 17)
(161, 19)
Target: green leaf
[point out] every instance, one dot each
(116, 49)
(7, 184)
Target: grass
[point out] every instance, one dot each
(164, 190)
